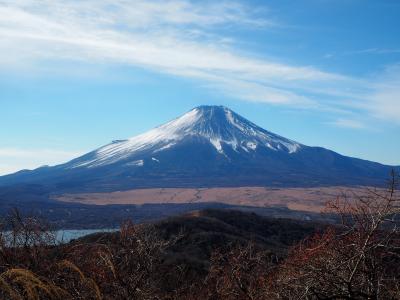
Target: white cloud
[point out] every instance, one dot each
(384, 102)
(15, 159)
(164, 36)
(181, 38)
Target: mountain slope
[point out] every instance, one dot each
(208, 146)
(217, 125)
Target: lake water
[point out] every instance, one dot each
(66, 235)
(62, 236)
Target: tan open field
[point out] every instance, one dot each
(305, 199)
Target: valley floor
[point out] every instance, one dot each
(297, 199)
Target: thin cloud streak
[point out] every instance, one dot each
(348, 123)
(384, 103)
(15, 159)
(34, 153)
(375, 51)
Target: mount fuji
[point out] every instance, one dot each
(210, 146)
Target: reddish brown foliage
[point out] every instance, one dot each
(240, 273)
(359, 260)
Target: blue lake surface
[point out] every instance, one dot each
(61, 236)
(66, 235)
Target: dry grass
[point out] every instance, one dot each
(304, 199)
(24, 284)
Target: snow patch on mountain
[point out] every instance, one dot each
(251, 145)
(136, 163)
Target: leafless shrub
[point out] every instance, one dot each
(240, 273)
(136, 258)
(124, 268)
(359, 260)
(35, 268)
(24, 242)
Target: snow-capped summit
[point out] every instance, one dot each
(207, 146)
(218, 125)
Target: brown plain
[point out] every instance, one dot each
(304, 199)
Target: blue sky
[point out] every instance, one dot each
(75, 75)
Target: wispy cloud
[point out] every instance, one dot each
(15, 159)
(164, 36)
(384, 102)
(178, 37)
(348, 123)
(375, 51)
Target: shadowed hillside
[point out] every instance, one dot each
(171, 256)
